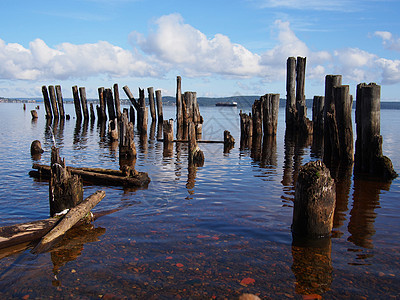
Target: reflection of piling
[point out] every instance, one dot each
(60, 101)
(369, 157)
(314, 202)
(77, 103)
(46, 101)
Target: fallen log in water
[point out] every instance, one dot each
(14, 236)
(68, 221)
(97, 175)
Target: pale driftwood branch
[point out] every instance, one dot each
(70, 219)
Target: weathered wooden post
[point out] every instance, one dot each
(257, 114)
(331, 81)
(343, 107)
(34, 114)
(168, 132)
(300, 88)
(179, 109)
(53, 101)
(108, 96)
(82, 93)
(229, 141)
(291, 110)
(77, 103)
(127, 149)
(36, 148)
(314, 202)
(159, 106)
(150, 91)
(132, 114)
(197, 118)
(270, 113)
(196, 156)
(369, 157)
(246, 130)
(65, 190)
(117, 101)
(102, 116)
(60, 101)
(46, 101)
(318, 116)
(142, 113)
(92, 115)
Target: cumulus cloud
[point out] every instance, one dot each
(389, 41)
(182, 46)
(40, 61)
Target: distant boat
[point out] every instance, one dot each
(226, 104)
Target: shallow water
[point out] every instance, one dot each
(215, 231)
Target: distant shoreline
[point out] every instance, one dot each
(242, 101)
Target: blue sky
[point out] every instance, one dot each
(219, 48)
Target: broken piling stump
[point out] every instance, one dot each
(34, 114)
(229, 141)
(314, 202)
(196, 156)
(127, 149)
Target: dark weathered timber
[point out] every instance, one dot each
(270, 108)
(343, 106)
(117, 101)
(97, 176)
(65, 189)
(246, 130)
(131, 98)
(46, 101)
(300, 88)
(196, 156)
(318, 116)
(82, 93)
(108, 96)
(257, 115)
(60, 102)
(314, 202)
(150, 91)
(179, 108)
(291, 110)
(92, 114)
(73, 216)
(53, 101)
(77, 103)
(369, 158)
(102, 116)
(132, 115)
(113, 130)
(168, 132)
(142, 113)
(331, 81)
(127, 149)
(34, 114)
(36, 148)
(229, 141)
(160, 115)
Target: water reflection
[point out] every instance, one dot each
(362, 215)
(312, 266)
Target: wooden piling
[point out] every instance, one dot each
(318, 116)
(60, 102)
(34, 114)
(246, 130)
(150, 91)
(369, 157)
(108, 97)
(179, 108)
(127, 149)
(117, 101)
(168, 131)
(92, 115)
(82, 93)
(257, 115)
(160, 116)
(270, 113)
(102, 116)
(142, 113)
(291, 111)
(53, 101)
(314, 203)
(132, 114)
(300, 88)
(65, 190)
(229, 141)
(46, 101)
(196, 156)
(77, 103)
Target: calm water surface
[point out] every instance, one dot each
(215, 231)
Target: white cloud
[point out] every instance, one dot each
(390, 70)
(67, 60)
(338, 5)
(389, 41)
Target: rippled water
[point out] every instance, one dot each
(215, 231)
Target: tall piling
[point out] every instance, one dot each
(82, 93)
(179, 108)
(60, 101)
(318, 116)
(270, 114)
(53, 101)
(369, 157)
(77, 103)
(150, 91)
(291, 111)
(102, 116)
(47, 104)
(160, 116)
(117, 101)
(257, 117)
(108, 97)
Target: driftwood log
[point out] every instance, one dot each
(97, 176)
(68, 221)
